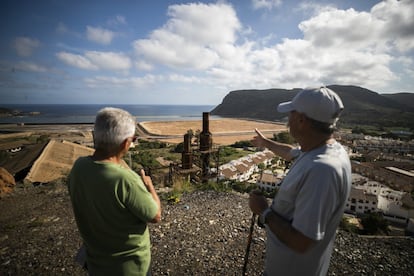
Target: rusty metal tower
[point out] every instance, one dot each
(196, 160)
(206, 143)
(187, 154)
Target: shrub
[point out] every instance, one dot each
(221, 186)
(180, 186)
(242, 144)
(347, 226)
(179, 148)
(374, 223)
(283, 137)
(145, 144)
(145, 158)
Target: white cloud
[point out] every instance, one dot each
(389, 24)
(109, 60)
(313, 8)
(25, 46)
(337, 47)
(99, 35)
(398, 22)
(94, 60)
(76, 61)
(136, 82)
(173, 50)
(27, 66)
(343, 29)
(144, 66)
(190, 39)
(194, 22)
(351, 47)
(30, 66)
(266, 4)
(62, 28)
(117, 20)
(184, 79)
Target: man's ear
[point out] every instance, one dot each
(125, 145)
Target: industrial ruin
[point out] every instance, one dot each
(199, 159)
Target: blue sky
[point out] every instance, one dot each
(184, 52)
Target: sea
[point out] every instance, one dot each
(85, 113)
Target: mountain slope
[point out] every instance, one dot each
(405, 98)
(362, 106)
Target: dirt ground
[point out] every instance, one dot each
(56, 161)
(206, 233)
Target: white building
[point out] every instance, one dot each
(396, 206)
(359, 201)
(268, 181)
(243, 168)
(365, 197)
(228, 172)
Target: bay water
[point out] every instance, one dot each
(85, 113)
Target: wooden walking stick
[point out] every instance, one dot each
(249, 241)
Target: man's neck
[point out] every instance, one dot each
(105, 157)
(315, 141)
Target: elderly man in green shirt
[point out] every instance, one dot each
(112, 204)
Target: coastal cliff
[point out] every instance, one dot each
(362, 106)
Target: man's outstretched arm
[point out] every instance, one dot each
(281, 149)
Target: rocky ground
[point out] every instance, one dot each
(206, 233)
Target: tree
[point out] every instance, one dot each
(283, 137)
(358, 130)
(42, 138)
(145, 144)
(227, 151)
(374, 223)
(242, 144)
(179, 148)
(145, 158)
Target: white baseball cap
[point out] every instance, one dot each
(321, 104)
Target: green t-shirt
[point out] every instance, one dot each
(112, 207)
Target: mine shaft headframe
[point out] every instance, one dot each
(206, 142)
(199, 159)
(206, 138)
(187, 154)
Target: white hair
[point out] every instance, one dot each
(112, 127)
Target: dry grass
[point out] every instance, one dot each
(56, 161)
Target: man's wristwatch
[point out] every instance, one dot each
(263, 216)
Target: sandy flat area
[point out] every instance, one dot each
(224, 131)
(216, 126)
